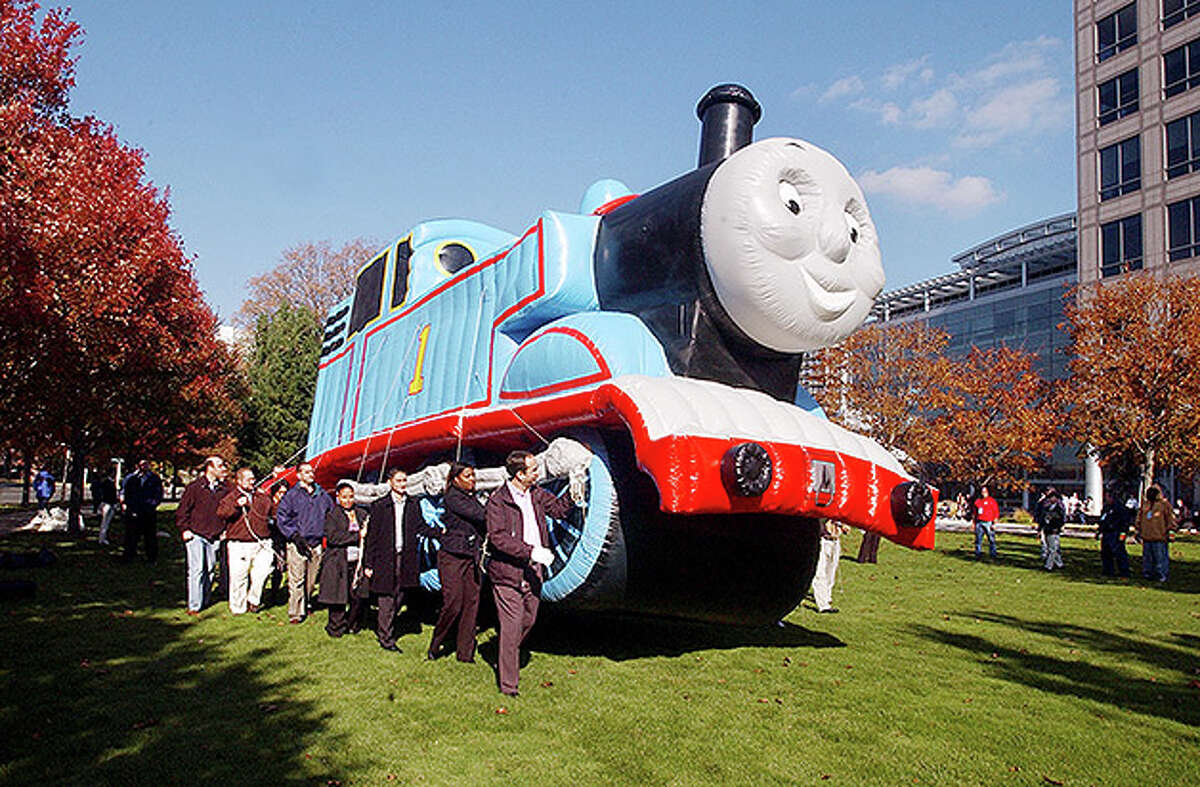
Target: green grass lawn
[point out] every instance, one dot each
(939, 670)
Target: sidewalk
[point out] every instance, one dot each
(949, 525)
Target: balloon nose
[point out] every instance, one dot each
(835, 238)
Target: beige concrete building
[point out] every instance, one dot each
(1137, 79)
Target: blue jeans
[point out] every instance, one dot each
(201, 559)
(1155, 560)
(1052, 552)
(990, 529)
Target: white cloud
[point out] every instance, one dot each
(846, 86)
(1018, 90)
(1030, 106)
(889, 114)
(897, 75)
(932, 187)
(939, 109)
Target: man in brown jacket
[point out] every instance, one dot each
(1154, 523)
(247, 515)
(201, 530)
(517, 538)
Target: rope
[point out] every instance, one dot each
(530, 428)
(470, 373)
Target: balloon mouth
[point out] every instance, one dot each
(828, 304)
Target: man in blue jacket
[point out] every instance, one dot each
(141, 493)
(301, 521)
(43, 489)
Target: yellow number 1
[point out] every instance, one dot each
(418, 380)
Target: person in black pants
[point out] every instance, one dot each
(345, 528)
(458, 563)
(141, 493)
(1114, 525)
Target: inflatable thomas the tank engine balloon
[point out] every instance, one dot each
(654, 343)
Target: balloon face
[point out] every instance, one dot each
(789, 245)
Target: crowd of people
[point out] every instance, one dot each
(349, 558)
(1151, 522)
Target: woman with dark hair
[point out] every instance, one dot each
(458, 563)
(344, 527)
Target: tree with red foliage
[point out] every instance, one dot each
(106, 343)
(887, 382)
(1135, 374)
(1000, 417)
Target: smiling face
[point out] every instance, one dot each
(789, 245)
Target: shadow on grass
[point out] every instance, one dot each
(103, 682)
(1071, 675)
(624, 637)
(1081, 562)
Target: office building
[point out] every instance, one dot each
(1137, 79)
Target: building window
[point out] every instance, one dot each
(1181, 68)
(1120, 168)
(1121, 246)
(1118, 97)
(1183, 145)
(1116, 32)
(1175, 11)
(1183, 234)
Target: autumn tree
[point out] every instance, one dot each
(106, 344)
(1135, 384)
(313, 276)
(887, 382)
(281, 374)
(998, 417)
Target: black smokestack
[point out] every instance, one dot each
(727, 116)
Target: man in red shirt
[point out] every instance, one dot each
(986, 514)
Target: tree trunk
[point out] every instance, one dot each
(1147, 473)
(75, 479)
(25, 469)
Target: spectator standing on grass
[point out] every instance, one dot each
(458, 563)
(1051, 518)
(1071, 509)
(986, 514)
(517, 543)
(104, 501)
(246, 512)
(202, 529)
(1154, 524)
(345, 527)
(1113, 527)
(391, 563)
(827, 564)
(43, 489)
(140, 494)
(868, 550)
(301, 521)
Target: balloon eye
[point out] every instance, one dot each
(853, 225)
(789, 195)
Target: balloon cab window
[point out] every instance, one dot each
(368, 292)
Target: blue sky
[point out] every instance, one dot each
(275, 123)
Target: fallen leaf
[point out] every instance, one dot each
(826, 777)
(759, 669)
(1014, 768)
(995, 655)
(268, 708)
(572, 672)
(502, 711)
(141, 725)
(969, 699)
(1048, 780)
(547, 684)
(720, 680)
(763, 700)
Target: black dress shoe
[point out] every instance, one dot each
(392, 647)
(511, 693)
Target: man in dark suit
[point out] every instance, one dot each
(390, 559)
(141, 493)
(518, 538)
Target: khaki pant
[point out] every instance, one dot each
(302, 579)
(827, 565)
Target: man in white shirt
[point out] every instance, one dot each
(518, 542)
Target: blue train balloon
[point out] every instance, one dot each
(665, 331)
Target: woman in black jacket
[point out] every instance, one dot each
(344, 525)
(458, 563)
